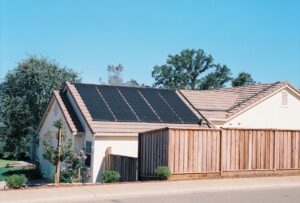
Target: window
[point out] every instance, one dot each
(88, 153)
(284, 99)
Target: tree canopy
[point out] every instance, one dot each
(24, 95)
(191, 69)
(242, 79)
(194, 69)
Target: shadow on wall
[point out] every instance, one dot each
(101, 170)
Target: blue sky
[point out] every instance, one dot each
(260, 37)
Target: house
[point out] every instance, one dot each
(272, 106)
(100, 116)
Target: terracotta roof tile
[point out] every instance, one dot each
(226, 102)
(68, 112)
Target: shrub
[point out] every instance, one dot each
(16, 181)
(163, 172)
(110, 176)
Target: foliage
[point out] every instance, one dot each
(216, 79)
(24, 95)
(110, 176)
(73, 162)
(30, 173)
(115, 74)
(163, 172)
(243, 79)
(184, 70)
(6, 162)
(16, 181)
(115, 77)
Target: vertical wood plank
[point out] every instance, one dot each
(204, 145)
(186, 145)
(254, 150)
(200, 149)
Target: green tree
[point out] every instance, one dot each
(73, 162)
(243, 79)
(24, 95)
(115, 74)
(216, 79)
(188, 70)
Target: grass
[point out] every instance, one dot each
(31, 174)
(5, 162)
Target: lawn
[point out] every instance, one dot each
(30, 173)
(5, 162)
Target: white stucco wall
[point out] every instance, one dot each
(121, 145)
(53, 115)
(88, 135)
(270, 113)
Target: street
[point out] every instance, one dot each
(290, 195)
(264, 189)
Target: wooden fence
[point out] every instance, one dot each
(126, 166)
(213, 152)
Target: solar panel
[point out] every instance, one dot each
(138, 104)
(117, 104)
(159, 105)
(94, 103)
(179, 106)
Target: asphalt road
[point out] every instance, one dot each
(239, 190)
(286, 195)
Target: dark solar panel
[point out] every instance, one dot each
(160, 107)
(179, 106)
(138, 104)
(93, 101)
(117, 104)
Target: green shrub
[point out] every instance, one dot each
(16, 181)
(163, 172)
(110, 176)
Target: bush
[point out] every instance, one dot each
(163, 172)
(16, 181)
(110, 176)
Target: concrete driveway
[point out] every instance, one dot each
(272, 188)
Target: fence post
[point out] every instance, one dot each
(107, 158)
(274, 155)
(221, 154)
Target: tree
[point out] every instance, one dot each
(243, 79)
(24, 95)
(216, 79)
(133, 83)
(187, 71)
(115, 77)
(63, 152)
(115, 74)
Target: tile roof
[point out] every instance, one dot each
(68, 112)
(87, 101)
(223, 103)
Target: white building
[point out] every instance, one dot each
(266, 106)
(97, 117)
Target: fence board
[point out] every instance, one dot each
(227, 150)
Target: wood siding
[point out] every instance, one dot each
(206, 151)
(152, 152)
(126, 166)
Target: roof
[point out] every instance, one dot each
(221, 104)
(134, 104)
(68, 111)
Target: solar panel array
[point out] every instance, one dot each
(132, 104)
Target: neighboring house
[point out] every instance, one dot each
(275, 106)
(100, 116)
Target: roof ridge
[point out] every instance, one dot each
(253, 96)
(239, 87)
(126, 86)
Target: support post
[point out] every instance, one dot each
(57, 175)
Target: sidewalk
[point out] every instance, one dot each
(100, 192)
